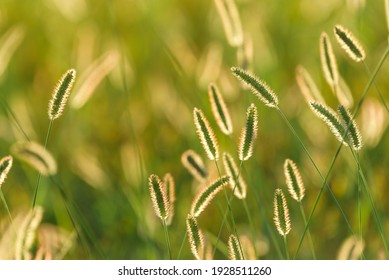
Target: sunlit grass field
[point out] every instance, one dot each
(142, 68)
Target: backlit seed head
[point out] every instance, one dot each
(328, 61)
(206, 134)
(5, 167)
(249, 134)
(237, 184)
(196, 239)
(195, 165)
(281, 213)
(219, 109)
(234, 248)
(293, 180)
(349, 43)
(159, 197)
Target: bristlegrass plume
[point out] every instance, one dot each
(5, 167)
(293, 180)
(234, 248)
(281, 213)
(257, 86)
(219, 109)
(170, 188)
(349, 43)
(328, 61)
(61, 94)
(206, 195)
(158, 197)
(196, 239)
(352, 129)
(195, 165)
(206, 134)
(249, 134)
(238, 185)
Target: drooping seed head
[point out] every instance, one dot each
(349, 43)
(234, 248)
(205, 196)
(328, 61)
(229, 15)
(159, 197)
(249, 134)
(293, 180)
(219, 109)
(61, 94)
(281, 213)
(5, 167)
(206, 134)
(257, 86)
(36, 156)
(307, 86)
(331, 119)
(168, 182)
(350, 125)
(196, 239)
(195, 165)
(237, 184)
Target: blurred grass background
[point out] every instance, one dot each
(139, 119)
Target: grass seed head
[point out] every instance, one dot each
(328, 61)
(170, 188)
(206, 134)
(5, 167)
(249, 134)
(349, 123)
(219, 109)
(195, 165)
(281, 213)
(238, 185)
(307, 86)
(158, 197)
(293, 180)
(196, 239)
(234, 248)
(349, 43)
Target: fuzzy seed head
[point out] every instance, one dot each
(168, 182)
(328, 61)
(205, 196)
(206, 134)
(5, 167)
(219, 109)
(61, 94)
(249, 134)
(196, 239)
(237, 184)
(257, 86)
(234, 248)
(350, 125)
(293, 180)
(281, 213)
(195, 165)
(159, 197)
(349, 43)
(307, 86)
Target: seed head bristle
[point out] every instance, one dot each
(203, 199)
(349, 43)
(307, 86)
(61, 94)
(5, 167)
(36, 156)
(206, 134)
(195, 165)
(257, 86)
(328, 61)
(196, 239)
(219, 109)
(293, 180)
(249, 134)
(229, 15)
(159, 197)
(238, 185)
(234, 248)
(352, 129)
(281, 213)
(331, 119)
(170, 188)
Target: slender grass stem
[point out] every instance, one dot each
(7, 208)
(9, 111)
(286, 247)
(182, 245)
(251, 223)
(167, 238)
(309, 233)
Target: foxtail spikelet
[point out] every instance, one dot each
(348, 43)
(61, 94)
(229, 15)
(331, 119)
(195, 165)
(219, 109)
(206, 134)
(238, 185)
(5, 167)
(170, 188)
(281, 213)
(328, 61)
(249, 134)
(36, 156)
(158, 197)
(293, 180)
(307, 86)
(203, 199)
(196, 238)
(234, 248)
(257, 86)
(352, 129)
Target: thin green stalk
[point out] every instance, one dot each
(286, 247)
(167, 239)
(9, 111)
(309, 233)
(7, 208)
(182, 245)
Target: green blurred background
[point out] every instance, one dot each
(139, 119)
